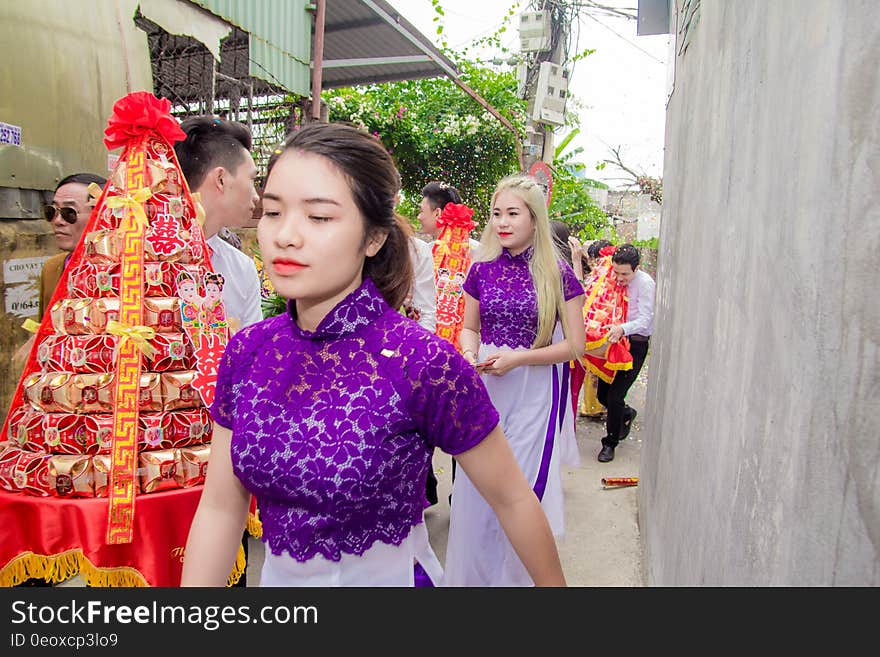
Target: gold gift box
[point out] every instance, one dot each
(102, 247)
(193, 465)
(71, 476)
(178, 391)
(93, 393)
(71, 316)
(51, 392)
(101, 464)
(162, 314)
(102, 311)
(159, 469)
(150, 393)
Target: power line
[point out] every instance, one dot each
(620, 36)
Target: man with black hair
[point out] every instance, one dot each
(215, 159)
(67, 214)
(638, 327)
(435, 196)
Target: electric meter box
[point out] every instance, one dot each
(534, 31)
(551, 93)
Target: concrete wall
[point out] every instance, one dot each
(759, 463)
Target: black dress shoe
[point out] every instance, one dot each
(606, 454)
(628, 418)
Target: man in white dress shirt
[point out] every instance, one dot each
(435, 196)
(215, 159)
(424, 294)
(638, 327)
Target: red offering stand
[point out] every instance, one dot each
(452, 257)
(107, 440)
(606, 304)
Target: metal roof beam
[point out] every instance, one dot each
(377, 61)
(352, 25)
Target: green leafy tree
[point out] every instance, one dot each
(570, 200)
(435, 131)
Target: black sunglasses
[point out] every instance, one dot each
(68, 214)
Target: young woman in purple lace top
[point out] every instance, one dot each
(328, 413)
(523, 322)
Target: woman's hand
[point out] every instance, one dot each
(501, 363)
(577, 257)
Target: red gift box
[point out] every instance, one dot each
(173, 352)
(77, 353)
(192, 427)
(25, 429)
(107, 220)
(154, 431)
(89, 280)
(30, 474)
(9, 456)
(99, 430)
(159, 279)
(67, 433)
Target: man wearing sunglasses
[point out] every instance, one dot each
(68, 214)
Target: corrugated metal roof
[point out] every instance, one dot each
(365, 41)
(280, 38)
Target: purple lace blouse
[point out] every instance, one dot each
(508, 303)
(333, 430)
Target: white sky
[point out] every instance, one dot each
(622, 86)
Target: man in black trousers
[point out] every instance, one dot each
(638, 327)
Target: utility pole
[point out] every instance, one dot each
(539, 133)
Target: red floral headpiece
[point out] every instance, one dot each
(456, 215)
(138, 113)
(607, 251)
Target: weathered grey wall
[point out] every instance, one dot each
(759, 466)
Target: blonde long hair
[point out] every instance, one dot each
(544, 263)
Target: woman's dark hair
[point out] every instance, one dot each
(561, 233)
(440, 193)
(595, 247)
(374, 181)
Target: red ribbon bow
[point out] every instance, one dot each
(456, 215)
(137, 114)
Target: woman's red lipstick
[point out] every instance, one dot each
(285, 266)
